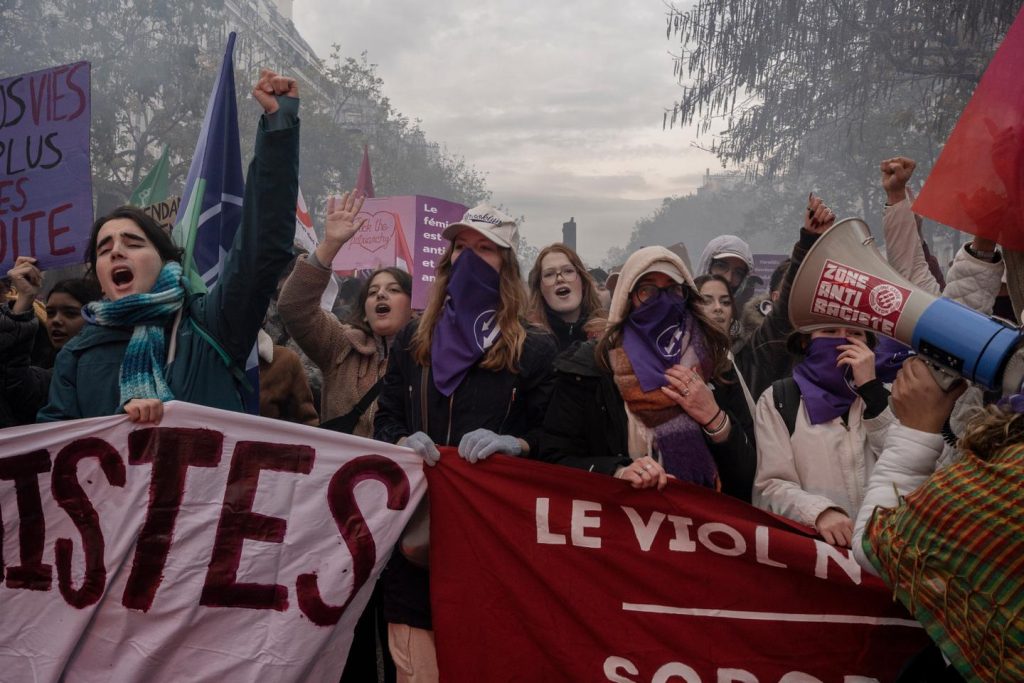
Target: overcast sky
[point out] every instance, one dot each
(559, 103)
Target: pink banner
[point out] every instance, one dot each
(404, 232)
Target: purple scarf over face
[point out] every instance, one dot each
(653, 338)
(889, 357)
(826, 392)
(468, 325)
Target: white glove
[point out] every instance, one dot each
(480, 443)
(424, 446)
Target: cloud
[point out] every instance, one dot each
(560, 103)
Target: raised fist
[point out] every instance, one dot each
(270, 87)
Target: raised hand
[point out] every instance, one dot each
(270, 87)
(26, 279)
(895, 174)
(819, 217)
(342, 222)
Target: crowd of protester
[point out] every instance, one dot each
(646, 374)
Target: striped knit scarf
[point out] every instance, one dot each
(142, 368)
(679, 439)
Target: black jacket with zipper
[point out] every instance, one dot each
(501, 401)
(586, 424)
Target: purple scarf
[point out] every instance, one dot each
(823, 385)
(468, 325)
(889, 357)
(654, 337)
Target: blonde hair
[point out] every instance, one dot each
(992, 429)
(589, 302)
(508, 349)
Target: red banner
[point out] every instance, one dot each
(547, 573)
(976, 183)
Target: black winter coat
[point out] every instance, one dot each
(501, 401)
(586, 425)
(23, 387)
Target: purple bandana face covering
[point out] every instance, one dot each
(889, 357)
(654, 336)
(468, 324)
(824, 386)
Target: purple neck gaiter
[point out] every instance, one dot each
(468, 324)
(654, 336)
(823, 385)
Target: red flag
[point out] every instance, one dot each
(364, 183)
(546, 573)
(403, 255)
(976, 183)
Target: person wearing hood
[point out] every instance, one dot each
(730, 257)
(472, 373)
(563, 295)
(649, 398)
(815, 469)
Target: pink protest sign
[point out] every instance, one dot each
(45, 178)
(404, 232)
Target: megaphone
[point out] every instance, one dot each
(845, 282)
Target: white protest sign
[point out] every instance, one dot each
(215, 546)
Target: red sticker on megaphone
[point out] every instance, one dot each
(859, 298)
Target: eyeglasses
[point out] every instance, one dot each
(568, 274)
(644, 293)
(722, 267)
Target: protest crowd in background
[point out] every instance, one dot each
(665, 374)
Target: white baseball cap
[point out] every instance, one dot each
(495, 225)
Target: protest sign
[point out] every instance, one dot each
(45, 178)
(164, 212)
(764, 266)
(547, 573)
(394, 223)
(215, 546)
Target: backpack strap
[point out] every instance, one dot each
(347, 423)
(786, 393)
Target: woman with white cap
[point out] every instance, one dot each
(637, 403)
(472, 373)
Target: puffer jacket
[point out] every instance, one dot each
(908, 459)
(819, 466)
(85, 379)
